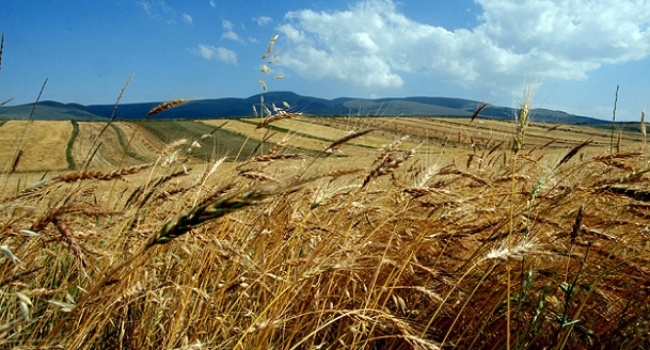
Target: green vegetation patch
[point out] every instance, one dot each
(122, 142)
(214, 142)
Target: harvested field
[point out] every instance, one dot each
(109, 150)
(43, 145)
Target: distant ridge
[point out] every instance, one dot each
(231, 107)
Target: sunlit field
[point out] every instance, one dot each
(324, 233)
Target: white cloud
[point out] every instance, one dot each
(373, 44)
(212, 53)
(157, 10)
(230, 36)
(229, 32)
(213, 3)
(187, 19)
(227, 25)
(262, 20)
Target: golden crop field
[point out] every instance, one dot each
(42, 146)
(324, 233)
(106, 149)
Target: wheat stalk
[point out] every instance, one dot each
(643, 129)
(2, 45)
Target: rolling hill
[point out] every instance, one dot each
(243, 107)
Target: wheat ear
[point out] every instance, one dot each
(164, 106)
(206, 212)
(345, 139)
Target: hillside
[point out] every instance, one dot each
(243, 107)
(69, 143)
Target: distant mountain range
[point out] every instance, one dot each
(243, 107)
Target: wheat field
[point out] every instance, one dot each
(366, 233)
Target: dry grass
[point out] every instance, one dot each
(545, 248)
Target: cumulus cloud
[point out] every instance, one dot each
(262, 20)
(374, 44)
(212, 53)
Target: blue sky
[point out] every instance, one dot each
(577, 51)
